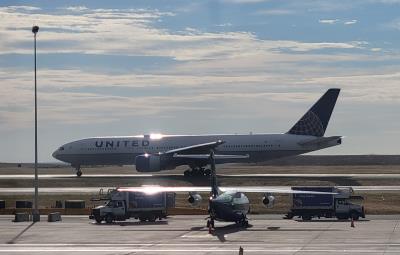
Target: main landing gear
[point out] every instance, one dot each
(78, 171)
(197, 172)
(210, 223)
(243, 222)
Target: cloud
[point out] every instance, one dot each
(328, 21)
(76, 8)
(275, 12)
(98, 32)
(208, 64)
(392, 25)
(224, 25)
(20, 8)
(351, 22)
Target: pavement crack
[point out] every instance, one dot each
(12, 241)
(391, 237)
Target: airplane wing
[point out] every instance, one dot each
(201, 152)
(196, 149)
(245, 189)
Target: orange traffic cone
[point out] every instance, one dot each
(352, 223)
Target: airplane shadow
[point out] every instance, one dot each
(220, 232)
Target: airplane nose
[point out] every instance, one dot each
(55, 154)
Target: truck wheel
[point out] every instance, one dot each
(142, 219)
(289, 216)
(306, 217)
(152, 218)
(354, 216)
(109, 219)
(98, 219)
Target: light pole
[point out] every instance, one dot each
(35, 214)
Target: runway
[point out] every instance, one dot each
(65, 176)
(95, 190)
(188, 235)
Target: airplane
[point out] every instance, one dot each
(226, 204)
(156, 152)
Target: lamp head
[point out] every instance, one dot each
(35, 29)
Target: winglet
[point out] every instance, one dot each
(316, 120)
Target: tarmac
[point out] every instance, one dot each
(267, 234)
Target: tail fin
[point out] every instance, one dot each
(315, 121)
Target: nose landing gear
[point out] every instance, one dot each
(78, 171)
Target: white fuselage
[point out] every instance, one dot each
(122, 150)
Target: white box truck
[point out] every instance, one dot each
(122, 205)
(340, 205)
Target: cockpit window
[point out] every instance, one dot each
(61, 148)
(225, 197)
(238, 195)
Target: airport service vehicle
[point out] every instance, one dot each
(228, 204)
(122, 205)
(336, 203)
(156, 152)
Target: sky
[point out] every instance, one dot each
(197, 67)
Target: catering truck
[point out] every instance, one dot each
(122, 205)
(341, 203)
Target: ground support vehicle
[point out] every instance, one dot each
(122, 205)
(342, 205)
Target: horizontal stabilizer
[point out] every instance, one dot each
(321, 141)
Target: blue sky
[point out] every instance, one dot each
(195, 67)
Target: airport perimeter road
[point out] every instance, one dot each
(95, 190)
(187, 235)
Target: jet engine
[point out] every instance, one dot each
(194, 199)
(268, 200)
(148, 163)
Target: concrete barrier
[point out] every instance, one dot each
(21, 217)
(53, 217)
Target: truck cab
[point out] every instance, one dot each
(344, 208)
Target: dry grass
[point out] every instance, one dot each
(375, 202)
